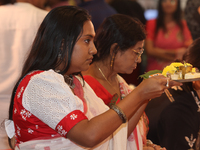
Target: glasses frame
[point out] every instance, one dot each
(139, 54)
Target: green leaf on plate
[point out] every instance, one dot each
(147, 74)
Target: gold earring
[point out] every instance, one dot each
(112, 61)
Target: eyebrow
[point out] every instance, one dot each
(139, 48)
(89, 35)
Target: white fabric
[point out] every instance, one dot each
(131, 143)
(10, 130)
(19, 23)
(53, 94)
(49, 98)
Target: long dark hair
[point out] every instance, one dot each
(4, 2)
(121, 29)
(177, 16)
(56, 37)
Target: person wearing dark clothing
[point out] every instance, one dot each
(130, 8)
(192, 16)
(175, 124)
(153, 111)
(98, 9)
(174, 118)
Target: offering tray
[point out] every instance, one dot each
(187, 80)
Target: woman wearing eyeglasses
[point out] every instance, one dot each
(119, 42)
(167, 36)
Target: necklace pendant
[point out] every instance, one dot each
(70, 81)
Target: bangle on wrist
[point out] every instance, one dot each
(119, 112)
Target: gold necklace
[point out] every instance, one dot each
(104, 76)
(106, 79)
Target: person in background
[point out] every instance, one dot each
(192, 16)
(130, 8)
(135, 10)
(167, 36)
(98, 9)
(119, 42)
(51, 4)
(175, 116)
(19, 23)
(51, 105)
(37, 3)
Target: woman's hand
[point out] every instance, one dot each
(155, 86)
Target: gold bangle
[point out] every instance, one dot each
(119, 112)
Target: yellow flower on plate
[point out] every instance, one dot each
(173, 67)
(188, 64)
(176, 64)
(193, 70)
(169, 69)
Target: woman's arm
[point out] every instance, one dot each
(136, 117)
(165, 54)
(149, 44)
(89, 133)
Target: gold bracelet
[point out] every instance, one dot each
(119, 112)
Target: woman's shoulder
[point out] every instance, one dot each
(43, 79)
(123, 81)
(48, 75)
(120, 79)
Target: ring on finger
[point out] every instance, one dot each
(167, 84)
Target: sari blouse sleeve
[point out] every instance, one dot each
(51, 100)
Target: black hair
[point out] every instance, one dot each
(192, 17)
(121, 29)
(177, 16)
(193, 54)
(55, 38)
(4, 2)
(54, 42)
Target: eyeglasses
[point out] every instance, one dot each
(138, 53)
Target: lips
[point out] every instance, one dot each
(90, 59)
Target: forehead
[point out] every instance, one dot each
(88, 29)
(139, 44)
